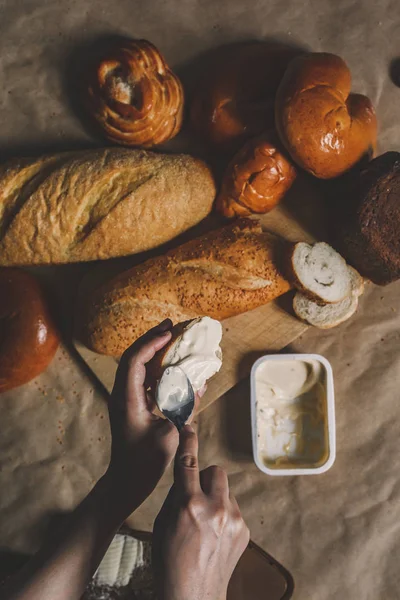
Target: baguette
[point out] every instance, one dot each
(224, 273)
(98, 204)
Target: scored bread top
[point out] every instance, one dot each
(226, 272)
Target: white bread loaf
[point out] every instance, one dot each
(98, 204)
(224, 273)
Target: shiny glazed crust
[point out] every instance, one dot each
(98, 204)
(134, 96)
(224, 273)
(256, 179)
(28, 339)
(324, 127)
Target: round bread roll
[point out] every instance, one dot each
(235, 99)
(256, 179)
(28, 339)
(324, 127)
(134, 96)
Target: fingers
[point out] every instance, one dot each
(187, 463)
(214, 482)
(167, 438)
(131, 371)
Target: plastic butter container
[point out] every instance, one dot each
(293, 414)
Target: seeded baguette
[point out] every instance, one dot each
(224, 273)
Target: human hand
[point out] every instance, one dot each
(143, 444)
(199, 534)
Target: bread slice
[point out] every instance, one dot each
(195, 348)
(329, 315)
(320, 272)
(357, 282)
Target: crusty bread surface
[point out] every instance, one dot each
(224, 273)
(98, 204)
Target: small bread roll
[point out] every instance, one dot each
(134, 96)
(29, 339)
(256, 179)
(324, 127)
(234, 100)
(320, 272)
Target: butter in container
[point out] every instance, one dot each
(293, 414)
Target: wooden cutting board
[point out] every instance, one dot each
(267, 329)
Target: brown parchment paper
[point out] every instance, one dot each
(338, 533)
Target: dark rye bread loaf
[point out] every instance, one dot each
(369, 233)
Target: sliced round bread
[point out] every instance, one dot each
(357, 282)
(327, 315)
(320, 272)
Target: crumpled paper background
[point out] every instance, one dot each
(338, 533)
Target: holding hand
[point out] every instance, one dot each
(143, 445)
(199, 535)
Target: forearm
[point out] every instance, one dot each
(64, 566)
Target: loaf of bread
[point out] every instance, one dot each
(98, 204)
(368, 234)
(224, 273)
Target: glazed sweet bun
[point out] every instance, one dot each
(134, 96)
(234, 100)
(28, 338)
(256, 179)
(195, 348)
(325, 128)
